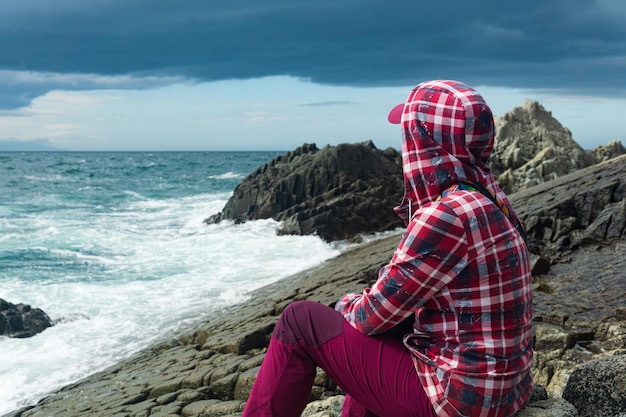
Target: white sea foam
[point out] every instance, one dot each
(133, 276)
(226, 175)
(114, 247)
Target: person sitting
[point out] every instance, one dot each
(460, 276)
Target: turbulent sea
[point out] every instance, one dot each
(112, 246)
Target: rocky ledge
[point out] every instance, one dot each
(577, 231)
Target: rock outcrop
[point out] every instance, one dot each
(20, 320)
(581, 208)
(340, 192)
(532, 147)
(610, 150)
(337, 192)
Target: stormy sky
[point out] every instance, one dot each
(243, 74)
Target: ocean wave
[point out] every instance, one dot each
(120, 256)
(226, 176)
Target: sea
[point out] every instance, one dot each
(114, 248)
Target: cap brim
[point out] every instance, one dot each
(395, 115)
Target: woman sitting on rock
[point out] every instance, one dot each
(460, 274)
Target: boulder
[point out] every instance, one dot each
(598, 388)
(20, 320)
(338, 192)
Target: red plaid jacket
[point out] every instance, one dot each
(461, 268)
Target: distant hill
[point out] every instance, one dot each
(26, 146)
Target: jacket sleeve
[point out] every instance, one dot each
(431, 253)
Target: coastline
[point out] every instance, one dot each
(219, 357)
(208, 370)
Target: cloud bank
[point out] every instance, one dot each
(573, 46)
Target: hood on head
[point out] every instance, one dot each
(448, 134)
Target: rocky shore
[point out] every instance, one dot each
(580, 364)
(210, 370)
(572, 202)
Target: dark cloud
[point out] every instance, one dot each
(18, 88)
(574, 45)
(15, 96)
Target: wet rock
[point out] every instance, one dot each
(21, 321)
(584, 290)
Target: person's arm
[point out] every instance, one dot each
(432, 252)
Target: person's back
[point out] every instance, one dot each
(476, 330)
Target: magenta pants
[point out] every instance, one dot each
(376, 372)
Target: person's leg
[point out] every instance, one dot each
(376, 372)
(283, 385)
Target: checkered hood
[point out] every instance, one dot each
(448, 134)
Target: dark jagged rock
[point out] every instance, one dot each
(585, 207)
(20, 320)
(337, 192)
(343, 191)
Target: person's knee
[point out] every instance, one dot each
(308, 321)
(287, 329)
(297, 309)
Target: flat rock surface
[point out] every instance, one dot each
(585, 291)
